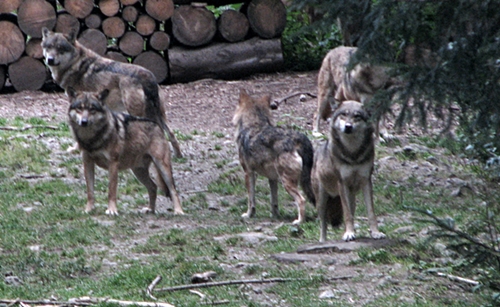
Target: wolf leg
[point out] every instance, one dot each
(89, 172)
(142, 175)
(113, 188)
(165, 171)
(348, 204)
(322, 213)
(273, 185)
(372, 219)
(250, 184)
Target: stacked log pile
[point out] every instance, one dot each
(178, 40)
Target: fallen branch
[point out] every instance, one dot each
(84, 301)
(226, 283)
(28, 127)
(152, 286)
(284, 99)
(458, 278)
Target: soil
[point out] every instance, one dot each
(203, 110)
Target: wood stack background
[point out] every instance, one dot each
(178, 40)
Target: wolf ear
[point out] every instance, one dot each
(103, 95)
(72, 37)
(45, 32)
(71, 92)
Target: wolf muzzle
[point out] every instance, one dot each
(348, 128)
(51, 62)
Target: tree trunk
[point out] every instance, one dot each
(116, 56)
(128, 2)
(109, 7)
(130, 13)
(131, 43)
(160, 10)
(113, 27)
(78, 8)
(9, 6)
(232, 26)
(145, 25)
(12, 42)
(94, 40)
(155, 63)
(67, 23)
(33, 15)
(193, 26)
(27, 74)
(267, 18)
(159, 41)
(225, 60)
(34, 48)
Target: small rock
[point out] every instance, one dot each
(327, 294)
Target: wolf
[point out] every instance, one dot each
(273, 152)
(73, 65)
(336, 83)
(118, 141)
(342, 167)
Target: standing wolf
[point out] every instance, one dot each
(273, 152)
(342, 167)
(118, 141)
(73, 65)
(336, 83)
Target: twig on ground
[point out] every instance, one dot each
(458, 278)
(28, 127)
(152, 286)
(284, 99)
(226, 283)
(85, 301)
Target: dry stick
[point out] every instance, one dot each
(86, 301)
(10, 128)
(458, 278)
(151, 287)
(226, 283)
(284, 99)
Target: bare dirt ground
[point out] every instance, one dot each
(203, 110)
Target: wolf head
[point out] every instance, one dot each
(252, 111)
(58, 48)
(351, 118)
(86, 108)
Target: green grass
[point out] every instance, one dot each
(57, 250)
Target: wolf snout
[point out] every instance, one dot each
(51, 61)
(348, 128)
(84, 122)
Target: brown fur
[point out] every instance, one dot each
(118, 141)
(133, 86)
(342, 167)
(273, 152)
(336, 83)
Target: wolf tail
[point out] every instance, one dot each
(306, 152)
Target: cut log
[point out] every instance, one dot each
(160, 10)
(27, 74)
(155, 63)
(78, 8)
(67, 23)
(109, 7)
(34, 48)
(9, 6)
(232, 26)
(131, 43)
(225, 60)
(94, 20)
(94, 40)
(193, 26)
(3, 76)
(159, 41)
(33, 15)
(114, 27)
(116, 56)
(128, 2)
(145, 25)
(267, 18)
(130, 13)
(12, 42)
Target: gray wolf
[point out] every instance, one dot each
(273, 152)
(342, 167)
(118, 141)
(336, 83)
(73, 65)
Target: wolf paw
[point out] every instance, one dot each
(297, 222)
(377, 235)
(146, 210)
(349, 236)
(317, 134)
(179, 212)
(112, 212)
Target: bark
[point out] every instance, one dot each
(267, 18)
(193, 26)
(113, 27)
(160, 10)
(159, 41)
(109, 7)
(131, 43)
(12, 42)
(130, 13)
(155, 63)
(34, 48)
(145, 25)
(27, 74)
(33, 15)
(94, 40)
(67, 23)
(9, 6)
(78, 8)
(232, 26)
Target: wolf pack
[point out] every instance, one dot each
(119, 122)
